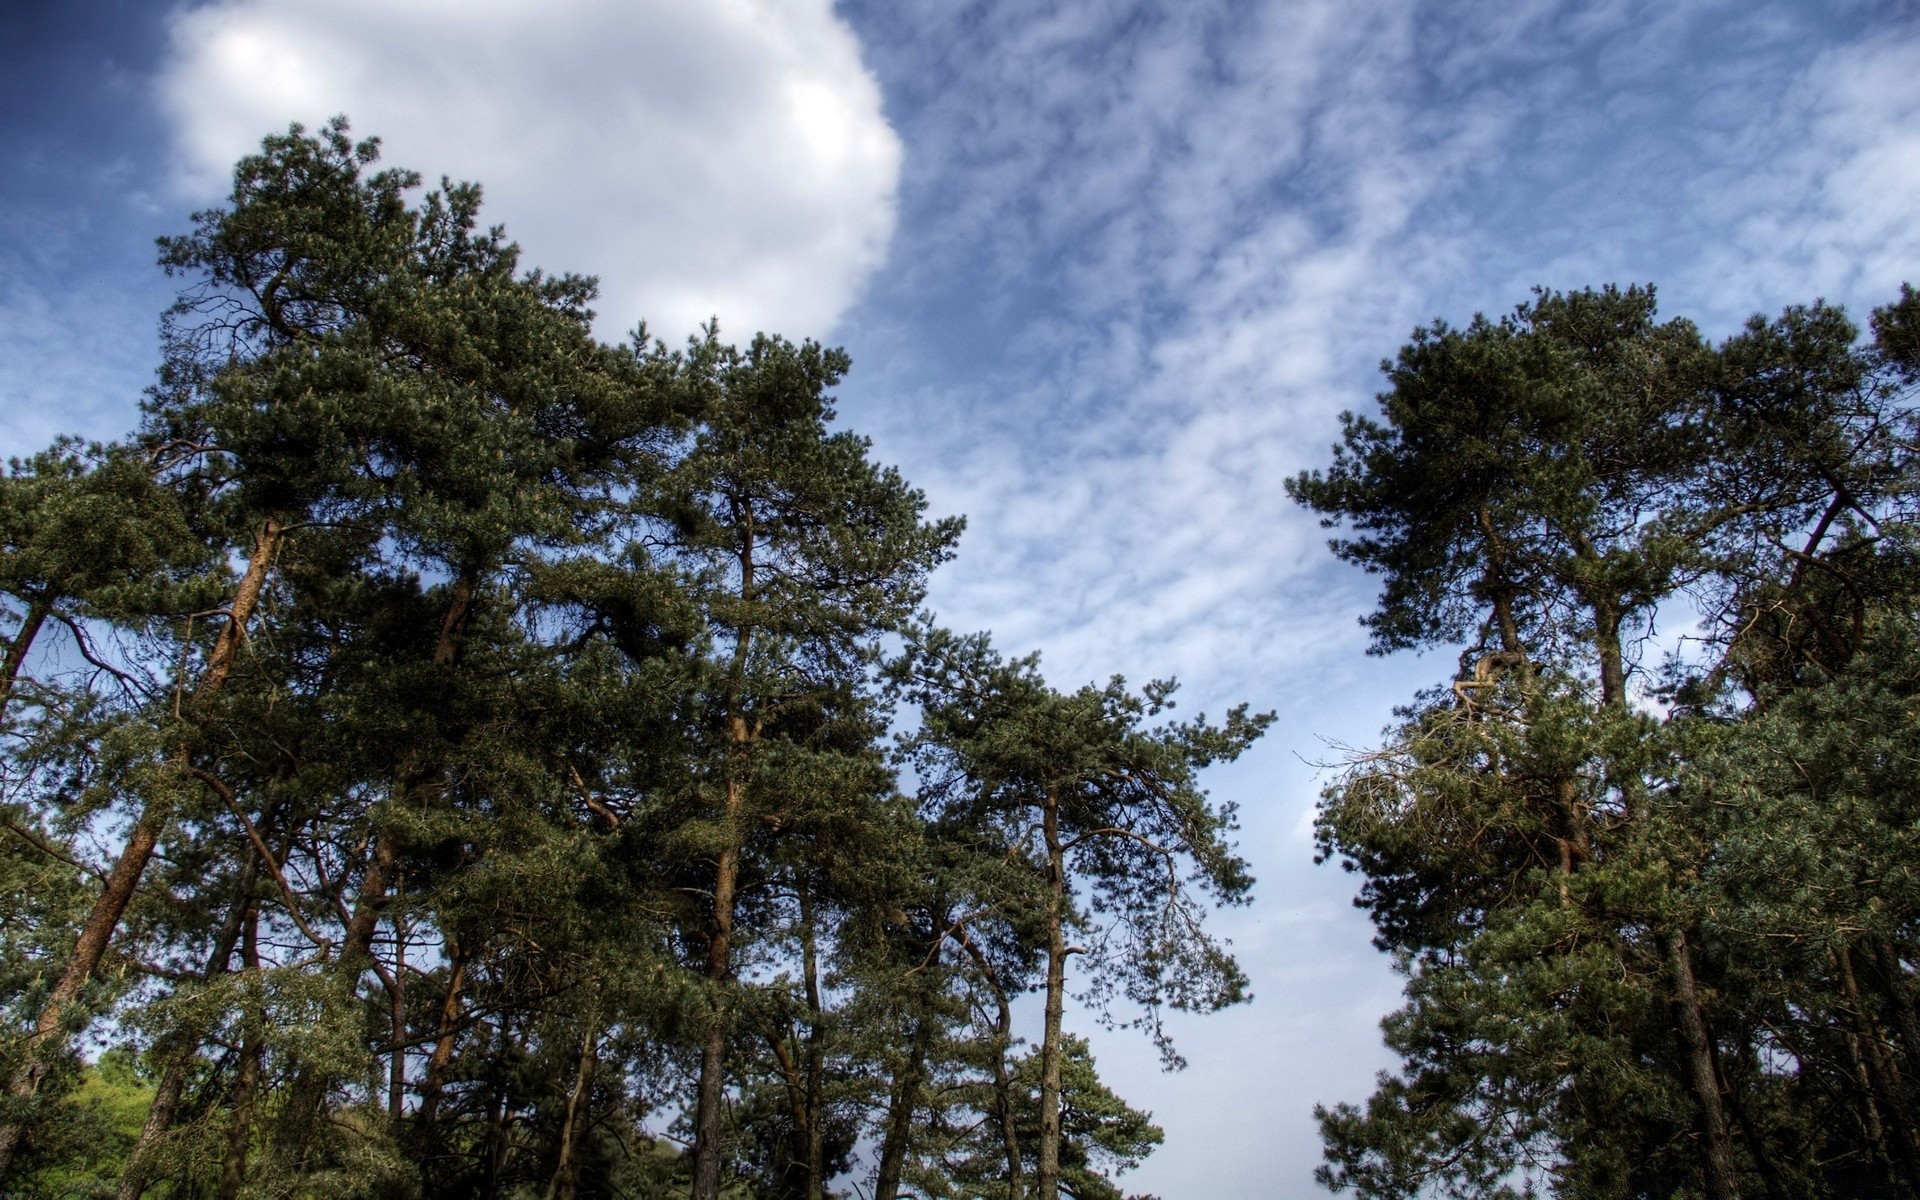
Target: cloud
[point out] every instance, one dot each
(1188, 230)
(1829, 211)
(725, 158)
(1148, 253)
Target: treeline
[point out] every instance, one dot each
(446, 755)
(1650, 861)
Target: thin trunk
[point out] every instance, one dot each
(1755, 1137)
(566, 1172)
(796, 1091)
(496, 1122)
(397, 1025)
(726, 874)
(713, 1065)
(901, 1106)
(1573, 840)
(1002, 1077)
(1606, 641)
(185, 1047)
(308, 1094)
(454, 626)
(1880, 1075)
(1497, 588)
(233, 1169)
(1717, 1169)
(1047, 1184)
(1893, 985)
(50, 1029)
(22, 642)
(442, 1057)
(816, 1054)
(356, 948)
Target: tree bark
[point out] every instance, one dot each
(397, 1025)
(816, 1053)
(566, 1172)
(901, 1106)
(706, 1134)
(792, 1180)
(1717, 1169)
(1606, 641)
(308, 1094)
(233, 1169)
(713, 1054)
(1002, 1078)
(435, 1081)
(1881, 1077)
(1047, 1182)
(1497, 588)
(1890, 980)
(186, 1047)
(36, 616)
(111, 905)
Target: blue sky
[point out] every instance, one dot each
(1107, 271)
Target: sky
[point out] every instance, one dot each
(1108, 272)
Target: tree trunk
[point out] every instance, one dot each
(1497, 589)
(792, 1178)
(233, 1169)
(308, 1094)
(50, 1029)
(1890, 980)
(1755, 1137)
(1047, 1184)
(901, 1106)
(1880, 1076)
(706, 1133)
(309, 1091)
(435, 1081)
(397, 1026)
(185, 1047)
(816, 1053)
(726, 874)
(566, 1172)
(496, 1146)
(30, 624)
(1606, 642)
(1002, 1078)
(1717, 1169)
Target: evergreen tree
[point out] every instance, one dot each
(1105, 812)
(1541, 854)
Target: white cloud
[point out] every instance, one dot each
(725, 158)
(1829, 209)
(1219, 207)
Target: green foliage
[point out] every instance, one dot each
(82, 1146)
(483, 730)
(1657, 940)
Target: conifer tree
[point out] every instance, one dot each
(1539, 851)
(1107, 814)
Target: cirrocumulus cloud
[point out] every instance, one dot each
(724, 159)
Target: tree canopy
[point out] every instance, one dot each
(449, 755)
(1650, 895)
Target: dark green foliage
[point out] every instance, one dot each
(450, 752)
(1658, 938)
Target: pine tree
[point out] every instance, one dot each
(1098, 807)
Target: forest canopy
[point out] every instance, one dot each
(1647, 862)
(445, 754)
(448, 755)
